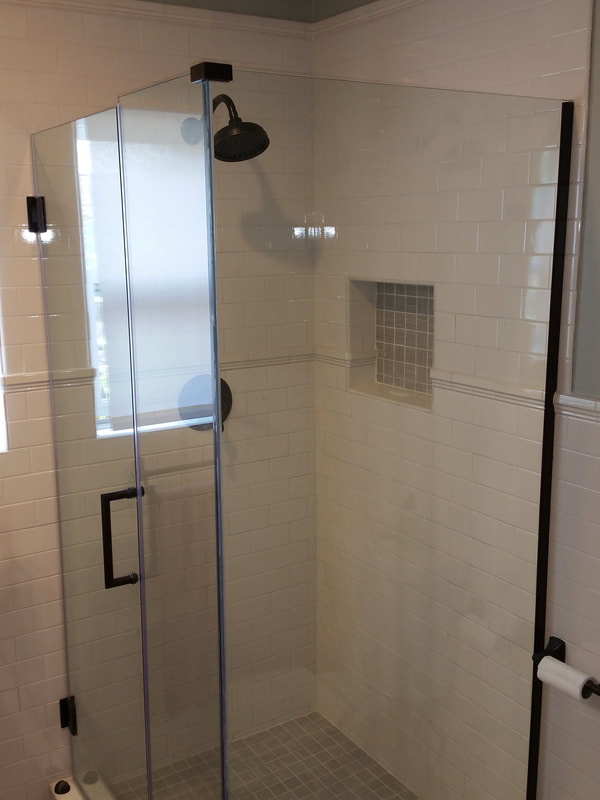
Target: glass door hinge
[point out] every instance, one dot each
(36, 214)
(68, 714)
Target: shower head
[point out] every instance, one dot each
(238, 141)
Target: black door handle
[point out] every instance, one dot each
(105, 500)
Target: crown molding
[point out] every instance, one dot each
(155, 12)
(360, 16)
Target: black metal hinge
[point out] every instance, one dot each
(68, 714)
(36, 214)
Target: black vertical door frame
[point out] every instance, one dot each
(554, 324)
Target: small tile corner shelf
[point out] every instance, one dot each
(393, 322)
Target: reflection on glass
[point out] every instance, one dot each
(172, 317)
(164, 183)
(102, 232)
(77, 170)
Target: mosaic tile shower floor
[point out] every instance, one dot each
(304, 759)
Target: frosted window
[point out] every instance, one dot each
(169, 287)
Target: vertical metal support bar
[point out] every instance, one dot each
(541, 587)
(217, 426)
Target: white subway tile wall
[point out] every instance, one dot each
(421, 605)
(534, 48)
(571, 730)
(270, 587)
(58, 64)
(180, 562)
(531, 48)
(266, 323)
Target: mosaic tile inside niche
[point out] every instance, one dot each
(304, 759)
(404, 335)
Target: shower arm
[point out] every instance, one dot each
(224, 98)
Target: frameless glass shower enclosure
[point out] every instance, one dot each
(127, 265)
(383, 278)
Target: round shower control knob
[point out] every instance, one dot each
(62, 787)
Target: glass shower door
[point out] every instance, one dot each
(130, 307)
(166, 160)
(77, 171)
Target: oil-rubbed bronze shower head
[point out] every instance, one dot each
(238, 140)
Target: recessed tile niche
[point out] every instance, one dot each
(391, 340)
(404, 336)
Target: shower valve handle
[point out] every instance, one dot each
(105, 500)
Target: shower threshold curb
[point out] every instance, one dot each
(97, 790)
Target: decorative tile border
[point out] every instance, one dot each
(584, 408)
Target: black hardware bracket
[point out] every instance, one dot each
(555, 648)
(589, 688)
(226, 402)
(36, 214)
(68, 714)
(211, 71)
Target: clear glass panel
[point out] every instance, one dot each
(380, 617)
(380, 527)
(164, 142)
(77, 170)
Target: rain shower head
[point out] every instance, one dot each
(238, 141)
